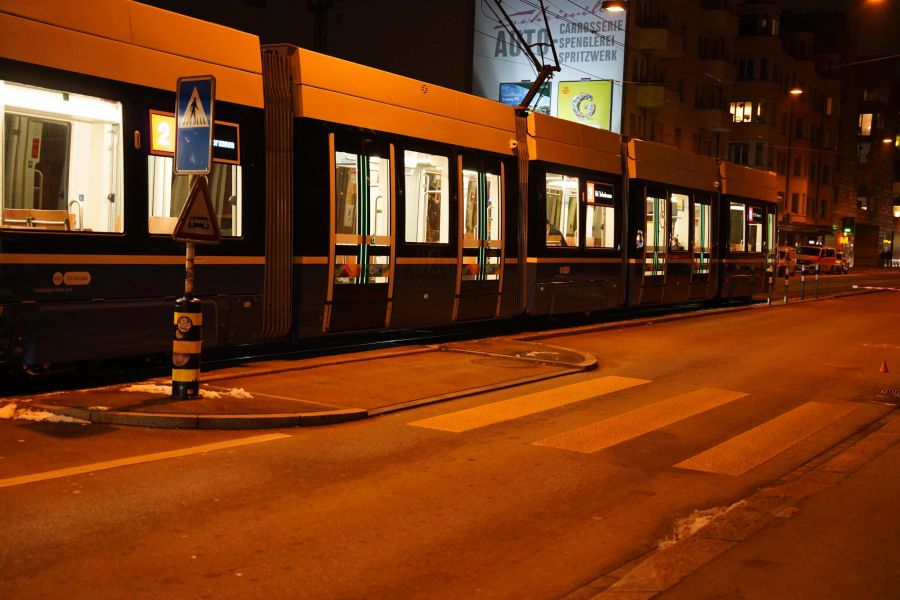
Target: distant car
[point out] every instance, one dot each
(809, 257)
(786, 260)
(841, 263)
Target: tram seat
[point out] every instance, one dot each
(52, 219)
(554, 240)
(162, 225)
(16, 217)
(36, 218)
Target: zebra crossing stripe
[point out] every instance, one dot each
(755, 446)
(615, 430)
(505, 410)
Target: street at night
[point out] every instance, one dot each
(486, 299)
(568, 487)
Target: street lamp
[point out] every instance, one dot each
(613, 5)
(794, 93)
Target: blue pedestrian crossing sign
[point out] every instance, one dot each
(194, 102)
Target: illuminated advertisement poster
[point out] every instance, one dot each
(589, 42)
(587, 102)
(513, 94)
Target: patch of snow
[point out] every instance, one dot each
(688, 526)
(12, 411)
(150, 388)
(155, 388)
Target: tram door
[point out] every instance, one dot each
(479, 279)
(701, 249)
(362, 242)
(656, 229)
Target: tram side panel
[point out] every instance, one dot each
(88, 269)
(575, 262)
(576, 218)
(748, 238)
(403, 190)
(674, 250)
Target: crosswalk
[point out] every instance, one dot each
(733, 457)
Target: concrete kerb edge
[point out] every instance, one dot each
(206, 421)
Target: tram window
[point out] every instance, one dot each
(167, 194)
(490, 188)
(375, 198)
(62, 161)
(600, 216)
(655, 236)
(754, 229)
(681, 224)
(562, 210)
(737, 227)
(481, 224)
(362, 217)
(702, 235)
(427, 197)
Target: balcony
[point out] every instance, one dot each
(660, 42)
(650, 96)
(757, 45)
(721, 21)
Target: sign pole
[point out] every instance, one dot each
(198, 223)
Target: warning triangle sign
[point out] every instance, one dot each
(194, 113)
(198, 222)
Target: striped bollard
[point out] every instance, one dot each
(186, 343)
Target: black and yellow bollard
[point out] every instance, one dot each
(186, 344)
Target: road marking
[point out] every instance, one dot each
(615, 430)
(755, 446)
(505, 410)
(134, 460)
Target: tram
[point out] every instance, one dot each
(349, 199)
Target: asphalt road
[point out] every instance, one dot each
(474, 498)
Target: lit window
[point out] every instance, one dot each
(62, 161)
(865, 124)
(427, 197)
(737, 226)
(562, 210)
(600, 216)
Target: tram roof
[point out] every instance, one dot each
(340, 91)
(132, 42)
(556, 140)
(745, 182)
(652, 161)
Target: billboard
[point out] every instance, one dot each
(586, 102)
(513, 94)
(589, 42)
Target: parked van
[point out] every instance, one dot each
(808, 257)
(841, 263)
(786, 260)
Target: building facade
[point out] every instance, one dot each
(716, 77)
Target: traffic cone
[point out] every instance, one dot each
(883, 368)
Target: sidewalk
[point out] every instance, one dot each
(829, 530)
(318, 391)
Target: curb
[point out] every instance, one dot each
(206, 421)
